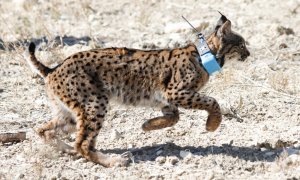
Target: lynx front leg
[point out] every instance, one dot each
(194, 100)
(170, 117)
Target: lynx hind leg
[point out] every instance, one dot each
(64, 123)
(90, 119)
(170, 118)
(88, 104)
(48, 130)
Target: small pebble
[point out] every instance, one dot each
(225, 107)
(172, 160)
(20, 176)
(185, 154)
(160, 159)
(264, 128)
(263, 149)
(159, 152)
(282, 46)
(130, 146)
(270, 153)
(297, 146)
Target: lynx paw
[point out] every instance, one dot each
(159, 123)
(121, 160)
(213, 122)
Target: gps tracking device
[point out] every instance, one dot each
(207, 59)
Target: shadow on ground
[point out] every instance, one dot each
(149, 153)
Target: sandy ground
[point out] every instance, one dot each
(258, 139)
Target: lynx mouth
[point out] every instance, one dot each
(242, 58)
(236, 56)
(245, 55)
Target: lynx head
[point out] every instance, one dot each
(225, 42)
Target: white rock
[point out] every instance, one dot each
(297, 146)
(159, 152)
(130, 146)
(225, 107)
(263, 149)
(269, 153)
(185, 154)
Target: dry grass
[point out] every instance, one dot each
(279, 81)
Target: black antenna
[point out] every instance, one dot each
(220, 13)
(199, 33)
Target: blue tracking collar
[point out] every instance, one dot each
(207, 59)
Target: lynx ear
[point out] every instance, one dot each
(225, 28)
(221, 21)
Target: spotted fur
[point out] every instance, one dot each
(81, 87)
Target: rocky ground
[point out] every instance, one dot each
(258, 139)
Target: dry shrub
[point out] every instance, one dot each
(279, 81)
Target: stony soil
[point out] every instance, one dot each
(259, 137)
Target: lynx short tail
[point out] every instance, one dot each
(36, 65)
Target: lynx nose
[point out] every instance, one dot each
(247, 53)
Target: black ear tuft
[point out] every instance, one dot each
(221, 21)
(223, 18)
(31, 48)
